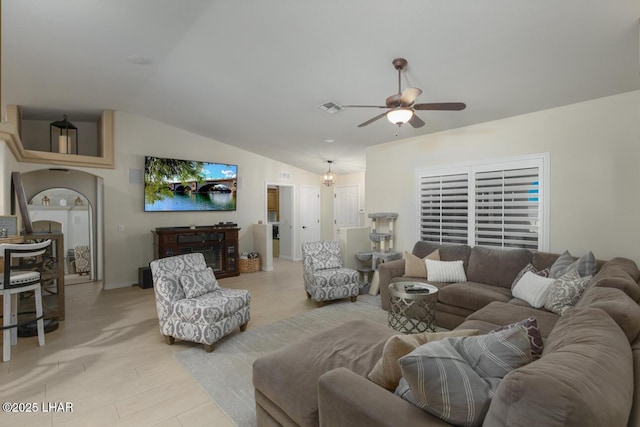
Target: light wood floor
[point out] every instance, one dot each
(109, 360)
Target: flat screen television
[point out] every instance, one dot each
(172, 185)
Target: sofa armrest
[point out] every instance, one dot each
(346, 399)
(386, 272)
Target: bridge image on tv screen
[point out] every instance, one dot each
(187, 185)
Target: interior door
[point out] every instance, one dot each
(346, 207)
(309, 214)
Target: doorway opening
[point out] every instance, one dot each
(280, 215)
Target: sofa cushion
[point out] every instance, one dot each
(502, 313)
(448, 252)
(416, 267)
(565, 292)
(445, 271)
(542, 260)
(622, 309)
(584, 378)
(455, 378)
(386, 373)
(289, 376)
(621, 273)
(471, 295)
(496, 266)
(533, 289)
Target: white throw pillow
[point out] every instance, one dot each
(445, 271)
(533, 289)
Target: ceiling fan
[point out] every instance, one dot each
(401, 106)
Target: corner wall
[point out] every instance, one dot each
(594, 151)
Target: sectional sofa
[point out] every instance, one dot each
(588, 375)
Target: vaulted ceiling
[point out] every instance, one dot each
(252, 73)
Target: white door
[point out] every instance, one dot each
(309, 214)
(346, 207)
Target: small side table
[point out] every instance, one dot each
(413, 312)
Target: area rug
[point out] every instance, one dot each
(225, 374)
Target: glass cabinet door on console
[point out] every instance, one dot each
(218, 244)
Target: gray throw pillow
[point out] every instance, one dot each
(561, 265)
(455, 378)
(585, 265)
(198, 283)
(565, 292)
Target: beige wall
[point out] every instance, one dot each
(136, 137)
(594, 150)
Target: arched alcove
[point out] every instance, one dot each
(64, 188)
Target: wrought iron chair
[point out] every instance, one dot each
(22, 273)
(325, 278)
(191, 305)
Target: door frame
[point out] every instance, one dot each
(292, 211)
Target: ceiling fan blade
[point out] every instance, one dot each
(409, 95)
(368, 122)
(364, 106)
(416, 121)
(451, 106)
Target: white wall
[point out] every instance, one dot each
(136, 137)
(594, 151)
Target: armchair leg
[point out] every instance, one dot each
(243, 327)
(354, 299)
(169, 340)
(320, 303)
(308, 294)
(208, 348)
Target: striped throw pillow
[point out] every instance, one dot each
(445, 271)
(455, 378)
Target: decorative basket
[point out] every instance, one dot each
(249, 265)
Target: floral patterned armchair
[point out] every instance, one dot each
(191, 305)
(325, 278)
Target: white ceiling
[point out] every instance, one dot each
(252, 73)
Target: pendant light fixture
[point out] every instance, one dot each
(329, 178)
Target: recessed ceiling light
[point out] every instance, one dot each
(139, 59)
(329, 140)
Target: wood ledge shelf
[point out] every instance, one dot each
(9, 133)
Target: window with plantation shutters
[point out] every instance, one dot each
(499, 204)
(444, 208)
(507, 208)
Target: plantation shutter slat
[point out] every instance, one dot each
(507, 208)
(444, 208)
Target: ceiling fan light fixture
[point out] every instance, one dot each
(329, 178)
(399, 116)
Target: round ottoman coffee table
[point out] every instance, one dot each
(412, 307)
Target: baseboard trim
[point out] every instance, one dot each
(109, 286)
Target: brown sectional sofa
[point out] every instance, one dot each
(588, 375)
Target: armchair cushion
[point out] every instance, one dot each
(334, 277)
(198, 282)
(211, 307)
